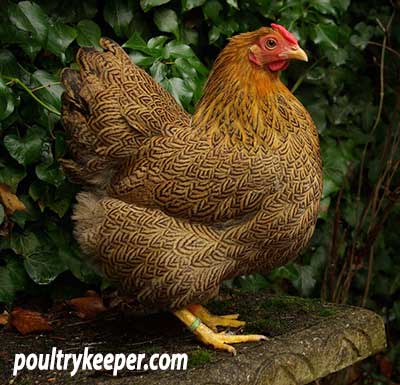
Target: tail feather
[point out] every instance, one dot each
(110, 108)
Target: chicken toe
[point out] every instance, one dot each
(219, 341)
(212, 321)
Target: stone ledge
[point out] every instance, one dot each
(307, 341)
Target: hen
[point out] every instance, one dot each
(175, 204)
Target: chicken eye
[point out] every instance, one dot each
(270, 43)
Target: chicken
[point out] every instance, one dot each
(175, 204)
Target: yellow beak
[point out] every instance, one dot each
(296, 53)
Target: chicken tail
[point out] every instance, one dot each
(88, 216)
(109, 109)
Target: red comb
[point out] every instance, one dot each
(284, 32)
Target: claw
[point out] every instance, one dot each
(208, 336)
(212, 321)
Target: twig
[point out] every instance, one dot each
(45, 86)
(29, 91)
(303, 76)
(387, 48)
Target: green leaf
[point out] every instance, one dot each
(8, 64)
(2, 214)
(337, 57)
(179, 90)
(89, 34)
(141, 60)
(28, 149)
(157, 42)
(60, 37)
(149, 4)
(324, 6)
(119, 14)
(185, 68)
(29, 17)
(7, 287)
(342, 5)
(233, 3)
(41, 261)
(190, 4)
(326, 34)
(252, 283)
(11, 175)
(50, 88)
(364, 34)
(7, 101)
(137, 43)
(305, 281)
(213, 34)
(167, 21)
(50, 173)
(158, 71)
(43, 265)
(176, 49)
(31, 213)
(212, 9)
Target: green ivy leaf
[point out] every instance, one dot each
(8, 64)
(324, 6)
(137, 43)
(212, 9)
(364, 34)
(29, 17)
(305, 281)
(11, 175)
(158, 71)
(50, 88)
(157, 42)
(7, 287)
(185, 69)
(326, 34)
(149, 4)
(41, 261)
(337, 57)
(2, 214)
(176, 49)
(89, 34)
(342, 5)
(190, 4)
(179, 90)
(7, 101)
(60, 37)
(233, 3)
(119, 14)
(141, 60)
(28, 149)
(167, 21)
(252, 283)
(50, 173)
(43, 265)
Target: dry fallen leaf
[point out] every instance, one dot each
(10, 200)
(89, 306)
(4, 318)
(28, 321)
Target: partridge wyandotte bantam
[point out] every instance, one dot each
(174, 203)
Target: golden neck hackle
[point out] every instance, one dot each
(235, 97)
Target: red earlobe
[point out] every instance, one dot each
(253, 57)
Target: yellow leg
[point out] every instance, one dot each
(209, 337)
(212, 321)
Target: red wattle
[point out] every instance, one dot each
(278, 65)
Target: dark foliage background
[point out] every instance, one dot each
(351, 87)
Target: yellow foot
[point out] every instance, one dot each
(220, 341)
(212, 321)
